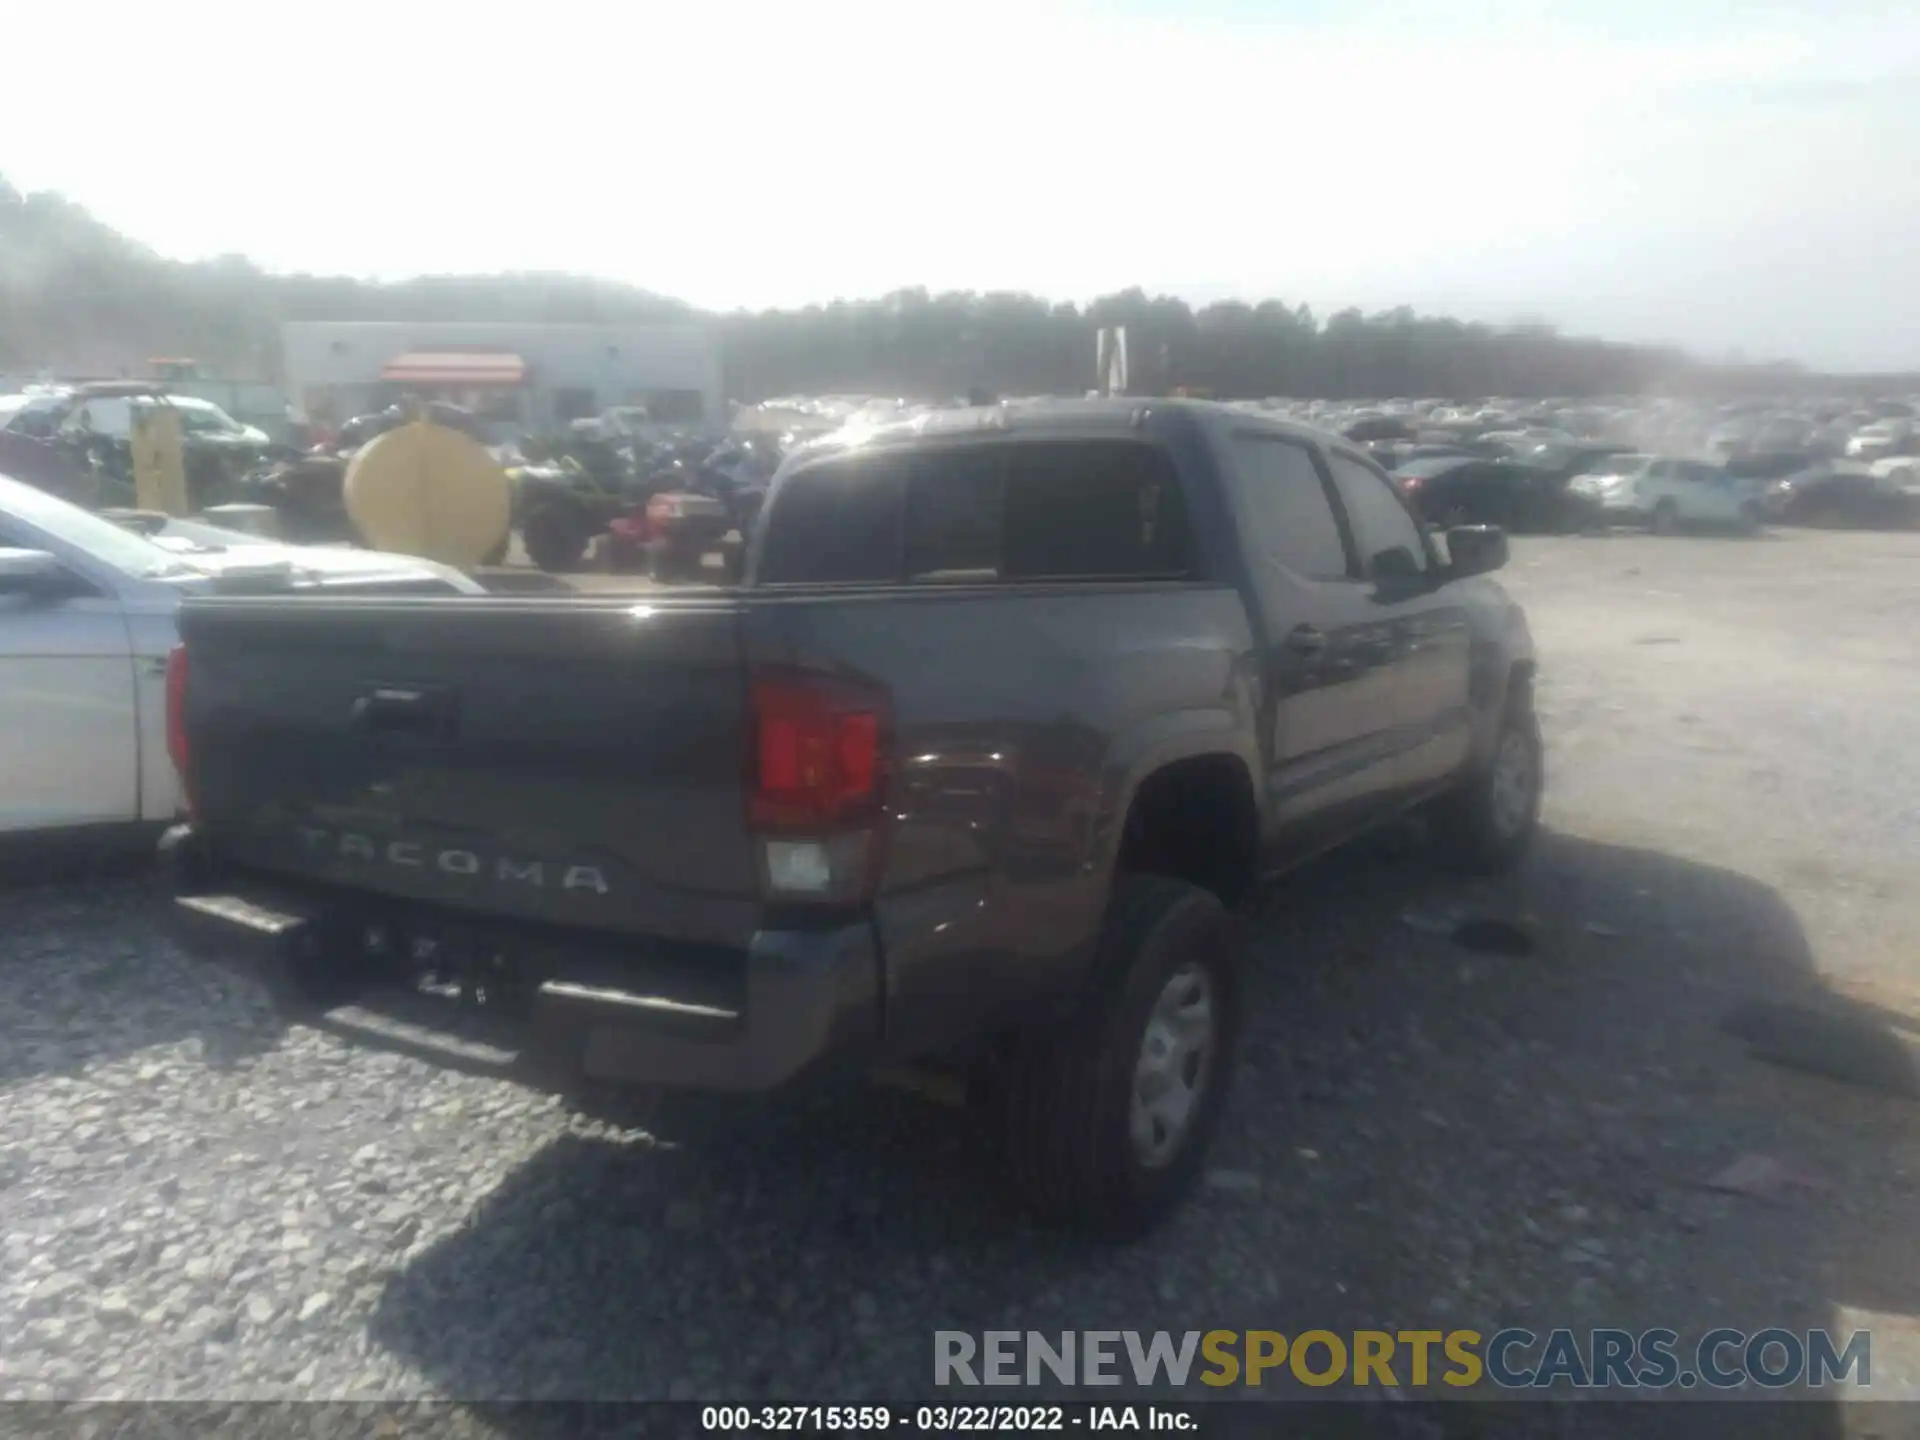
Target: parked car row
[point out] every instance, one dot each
(1558, 465)
(1562, 489)
(1828, 428)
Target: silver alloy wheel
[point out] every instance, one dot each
(1175, 1066)
(1511, 791)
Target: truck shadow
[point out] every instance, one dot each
(1423, 1135)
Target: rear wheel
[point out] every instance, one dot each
(1110, 1113)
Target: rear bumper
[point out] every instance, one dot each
(807, 997)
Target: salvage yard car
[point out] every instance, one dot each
(86, 623)
(1844, 494)
(1464, 490)
(1011, 704)
(1880, 439)
(1527, 493)
(1666, 494)
(34, 413)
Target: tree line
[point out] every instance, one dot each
(78, 297)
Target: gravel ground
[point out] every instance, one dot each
(195, 1203)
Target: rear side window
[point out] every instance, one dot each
(1287, 510)
(835, 523)
(1032, 510)
(1106, 510)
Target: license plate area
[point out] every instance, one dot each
(482, 965)
(443, 961)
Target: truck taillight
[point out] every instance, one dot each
(814, 802)
(177, 748)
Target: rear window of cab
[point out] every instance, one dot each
(971, 513)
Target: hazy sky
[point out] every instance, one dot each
(1725, 176)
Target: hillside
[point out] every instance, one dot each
(77, 296)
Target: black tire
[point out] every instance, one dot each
(1478, 830)
(1665, 519)
(1070, 1090)
(555, 540)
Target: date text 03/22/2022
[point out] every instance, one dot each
(943, 1419)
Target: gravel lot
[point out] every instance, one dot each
(194, 1203)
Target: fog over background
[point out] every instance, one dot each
(1732, 178)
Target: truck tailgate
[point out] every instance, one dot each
(572, 762)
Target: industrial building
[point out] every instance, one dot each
(518, 377)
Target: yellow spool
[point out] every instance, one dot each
(159, 461)
(425, 490)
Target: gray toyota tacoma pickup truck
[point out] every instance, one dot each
(1010, 705)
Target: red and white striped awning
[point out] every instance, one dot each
(455, 367)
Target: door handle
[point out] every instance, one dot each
(1306, 640)
(402, 710)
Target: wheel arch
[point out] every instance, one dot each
(1186, 806)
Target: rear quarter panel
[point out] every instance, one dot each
(1024, 718)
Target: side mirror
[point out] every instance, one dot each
(35, 573)
(1475, 550)
(1396, 567)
